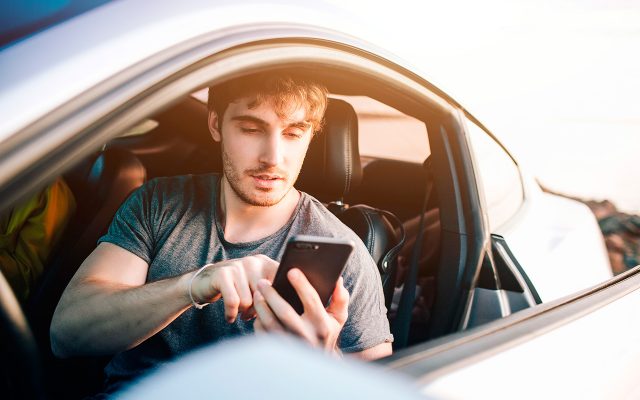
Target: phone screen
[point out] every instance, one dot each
(321, 259)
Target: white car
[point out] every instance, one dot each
(111, 94)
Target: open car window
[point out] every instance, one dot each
(385, 132)
(498, 174)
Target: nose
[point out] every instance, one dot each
(272, 152)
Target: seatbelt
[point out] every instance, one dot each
(402, 321)
(391, 255)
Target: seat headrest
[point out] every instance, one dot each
(332, 165)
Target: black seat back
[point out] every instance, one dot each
(331, 170)
(332, 167)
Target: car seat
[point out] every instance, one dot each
(332, 169)
(100, 183)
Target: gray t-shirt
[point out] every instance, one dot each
(173, 224)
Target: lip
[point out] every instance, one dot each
(266, 181)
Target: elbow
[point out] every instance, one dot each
(57, 342)
(57, 348)
(59, 339)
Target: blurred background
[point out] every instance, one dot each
(557, 81)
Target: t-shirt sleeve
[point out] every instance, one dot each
(131, 227)
(367, 325)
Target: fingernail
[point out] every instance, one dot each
(248, 316)
(294, 273)
(263, 283)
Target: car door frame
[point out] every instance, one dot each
(538, 336)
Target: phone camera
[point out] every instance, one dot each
(307, 246)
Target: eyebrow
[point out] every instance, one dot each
(250, 118)
(302, 125)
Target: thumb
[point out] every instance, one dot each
(339, 306)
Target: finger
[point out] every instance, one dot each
(284, 313)
(244, 292)
(266, 320)
(230, 297)
(249, 314)
(339, 305)
(306, 292)
(269, 267)
(252, 266)
(259, 267)
(257, 326)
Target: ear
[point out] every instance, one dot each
(213, 126)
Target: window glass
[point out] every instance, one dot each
(384, 132)
(499, 176)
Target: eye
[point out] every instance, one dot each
(249, 130)
(294, 134)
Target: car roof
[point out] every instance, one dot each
(23, 19)
(69, 58)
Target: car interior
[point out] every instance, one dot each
(381, 198)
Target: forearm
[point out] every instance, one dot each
(96, 318)
(375, 352)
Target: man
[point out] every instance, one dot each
(140, 293)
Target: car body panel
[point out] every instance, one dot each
(570, 348)
(553, 238)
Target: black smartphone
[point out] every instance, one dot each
(322, 261)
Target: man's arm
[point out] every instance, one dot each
(107, 307)
(375, 352)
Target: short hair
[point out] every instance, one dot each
(285, 92)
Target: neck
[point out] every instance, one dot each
(243, 222)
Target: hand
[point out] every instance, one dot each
(235, 281)
(319, 326)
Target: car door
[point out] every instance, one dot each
(584, 346)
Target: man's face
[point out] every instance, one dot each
(262, 153)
